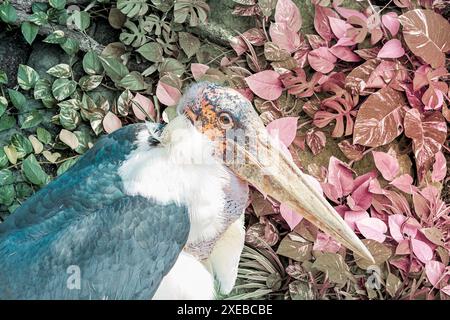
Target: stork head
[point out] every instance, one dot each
(242, 142)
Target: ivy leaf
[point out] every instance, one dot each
(70, 46)
(63, 88)
(66, 166)
(57, 4)
(167, 94)
(27, 77)
(7, 122)
(6, 177)
(3, 77)
(189, 43)
(33, 171)
(69, 138)
(80, 19)
(427, 35)
(32, 119)
(124, 102)
(111, 122)
(43, 135)
(3, 158)
(61, 70)
(428, 132)
(56, 37)
(379, 119)
(334, 265)
(43, 89)
(7, 194)
(3, 105)
(171, 65)
(133, 81)
(114, 68)
(29, 31)
(69, 118)
(21, 144)
(92, 64)
(8, 13)
(88, 83)
(17, 99)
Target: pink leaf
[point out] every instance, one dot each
(361, 198)
(321, 60)
(344, 53)
(111, 122)
(347, 13)
(422, 251)
(386, 164)
(351, 217)
(391, 49)
(439, 167)
(340, 176)
(265, 84)
(238, 45)
(434, 271)
(391, 22)
(284, 37)
(339, 27)
(167, 94)
(326, 243)
(285, 129)
(198, 70)
(372, 228)
(290, 216)
(446, 290)
(395, 226)
(403, 247)
(321, 23)
(145, 104)
(287, 12)
(404, 183)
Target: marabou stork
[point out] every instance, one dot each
(156, 211)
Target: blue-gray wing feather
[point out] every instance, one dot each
(83, 221)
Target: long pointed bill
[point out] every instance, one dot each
(270, 169)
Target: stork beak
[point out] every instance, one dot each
(272, 171)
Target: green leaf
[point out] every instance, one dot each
(189, 43)
(7, 122)
(63, 88)
(163, 5)
(69, 118)
(3, 159)
(66, 165)
(171, 65)
(80, 19)
(6, 177)
(39, 7)
(124, 102)
(43, 89)
(74, 104)
(334, 265)
(70, 46)
(56, 37)
(133, 81)
(84, 138)
(32, 119)
(3, 77)
(114, 68)
(43, 135)
(11, 153)
(22, 145)
(27, 77)
(29, 31)
(133, 8)
(23, 190)
(152, 52)
(38, 18)
(92, 64)
(33, 171)
(88, 83)
(17, 98)
(61, 70)
(7, 194)
(3, 105)
(57, 4)
(7, 13)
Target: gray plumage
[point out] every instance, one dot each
(123, 245)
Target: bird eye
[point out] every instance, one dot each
(225, 120)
